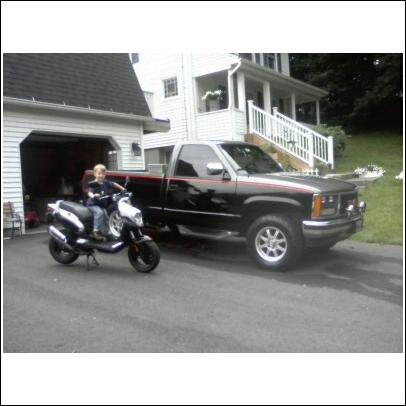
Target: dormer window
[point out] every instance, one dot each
(269, 60)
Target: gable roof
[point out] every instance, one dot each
(99, 81)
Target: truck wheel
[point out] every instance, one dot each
(174, 230)
(275, 242)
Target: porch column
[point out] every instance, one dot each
(266, 89)
(317, 112)
(241, 90)
(293, 105)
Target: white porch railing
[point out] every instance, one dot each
(292, 137)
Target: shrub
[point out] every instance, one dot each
(323, 168)
(338, 134)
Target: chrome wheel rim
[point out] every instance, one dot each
(115, 223)
(271, 244)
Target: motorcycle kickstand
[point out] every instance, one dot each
(94, 260)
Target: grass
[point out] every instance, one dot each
(384, 197)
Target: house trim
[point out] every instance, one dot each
(150, 124)
(280, 78)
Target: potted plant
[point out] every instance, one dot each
(214, 99)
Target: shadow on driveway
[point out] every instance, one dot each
(350, 265)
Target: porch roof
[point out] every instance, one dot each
(263, 73)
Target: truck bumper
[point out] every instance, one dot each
(325, 231)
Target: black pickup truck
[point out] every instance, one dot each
(234, 188)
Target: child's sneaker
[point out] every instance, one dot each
(98, 236)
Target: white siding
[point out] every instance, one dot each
(18, 124)
(224, 125)
(240, 125)
(151, 71)
(186, 123)
(203, 64)
(215, 125)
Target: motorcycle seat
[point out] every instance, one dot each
(81, 212)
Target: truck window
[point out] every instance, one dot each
(193, 159)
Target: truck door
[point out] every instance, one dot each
(196, 197)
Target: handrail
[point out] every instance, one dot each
(293, 137)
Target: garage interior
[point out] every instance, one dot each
(53, 165)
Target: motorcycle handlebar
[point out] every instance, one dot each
(115, 195)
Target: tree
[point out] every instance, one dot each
(365, 90)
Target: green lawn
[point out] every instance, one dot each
(384, 197)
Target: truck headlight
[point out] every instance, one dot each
(324, 205)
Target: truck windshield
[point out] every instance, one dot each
(250, 158)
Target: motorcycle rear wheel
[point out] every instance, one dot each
(59, 254)
(144, 257)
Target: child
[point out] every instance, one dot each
(98, 188)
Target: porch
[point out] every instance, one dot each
(233, 103)
(231, 89)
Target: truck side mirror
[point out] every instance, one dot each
(214, 168)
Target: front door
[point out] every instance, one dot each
(196, 198)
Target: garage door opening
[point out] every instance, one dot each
(53, 165)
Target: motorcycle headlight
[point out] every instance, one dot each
(137, 218)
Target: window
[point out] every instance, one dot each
(193, 159)
(135, 58)
(246, 56)
(269, 60)
(250, 158)
(258, 58)
(112, 160)
(170, 87)
(279, 60)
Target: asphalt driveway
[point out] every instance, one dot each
(204, 297)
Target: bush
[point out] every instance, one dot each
(338, 134)
(323, 168)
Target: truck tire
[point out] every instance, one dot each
(174, 230)
(275, 242)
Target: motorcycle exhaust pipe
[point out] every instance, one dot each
(60, 237)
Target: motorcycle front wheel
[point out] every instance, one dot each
(144, 257)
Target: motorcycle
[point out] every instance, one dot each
(68, 244)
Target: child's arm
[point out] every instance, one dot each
(117, 186)
(93, 195)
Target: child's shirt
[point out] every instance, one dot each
(102, 189)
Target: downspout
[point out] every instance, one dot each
(231, 93)
(231, 73)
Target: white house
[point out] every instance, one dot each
(62, 114)
(227, 96)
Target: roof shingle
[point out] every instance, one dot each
(101, 81)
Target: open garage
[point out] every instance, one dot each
(52, 166)
(62, 114)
